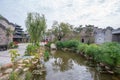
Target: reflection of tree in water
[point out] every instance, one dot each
(62, 64)
(64, 61)
(38, 77)
(37, 73)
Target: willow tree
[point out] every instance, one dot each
(61, 30)
(36, 26)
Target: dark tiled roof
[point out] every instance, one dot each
(2, 18)
(117, 31)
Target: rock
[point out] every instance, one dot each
(35, 61)
(5, 77)
(9, 70)
(25, 69)
(1, 74)
(9, 65)
(43, 70)
(21, 65)
(38, 72)
(102, 65)
(77, 51)
(18, 70)
(32, 57)
(20, 61)
(41, 54)
(39, 66)
(106, 67)
(111, 72)
(26, 61)
(53, 46)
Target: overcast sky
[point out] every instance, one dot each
(101, 13)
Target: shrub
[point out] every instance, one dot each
(13, 76)
(46, 54)
(28, 76)
(13, 54)
(82, 47)
(92, 50)
(31, 49)
(59, 44)
(107, 53)
(13, 45)
(48, 44)
(71, 44)
(111, 54)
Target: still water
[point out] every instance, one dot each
(71, 66)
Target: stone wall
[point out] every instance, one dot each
(98, 35)
(6, 24)
(108, 34)
(3, 38)
(103, 35)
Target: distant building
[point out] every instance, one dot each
(84, 37)
(98, 35)
(103, 35)
(18, 34)
(116, 35)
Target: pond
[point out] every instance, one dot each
(71, 66)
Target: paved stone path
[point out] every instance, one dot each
(5, 56)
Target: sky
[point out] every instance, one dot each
(101, 13)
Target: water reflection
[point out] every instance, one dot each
(71, 66)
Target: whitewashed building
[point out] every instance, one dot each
(102, 35)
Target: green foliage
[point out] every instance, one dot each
(71, 44)
(61, 30)
(67, 44)
(78, 29)
(92, 50)
(46, 54)
(107, 53)
(13, 54)
(59, 44)
(28, 76)
(31, 50)
(82, 47)
(48, 44)
(111, 54)
(13, 76)
(12, 45)
(36, 26)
